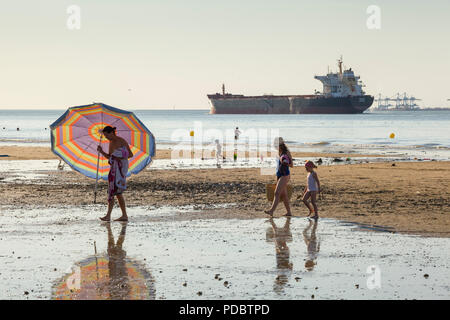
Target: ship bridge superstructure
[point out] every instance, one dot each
(341, 84)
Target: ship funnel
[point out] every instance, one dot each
(340, 61)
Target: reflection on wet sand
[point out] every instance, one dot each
(312, 244)
(112, 276)
(281, 236)
(119, 287)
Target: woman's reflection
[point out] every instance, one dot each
(281, 236)
(312, 244)
(119, 287)
(105, 276)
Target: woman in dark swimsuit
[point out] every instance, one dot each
(283, 177)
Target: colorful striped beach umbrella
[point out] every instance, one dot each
(77, 133)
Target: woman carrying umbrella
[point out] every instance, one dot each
(119, 153)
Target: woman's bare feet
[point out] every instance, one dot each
(106, 218)
(315, 217)
(122, 218)
(288, 214)
(269, 212)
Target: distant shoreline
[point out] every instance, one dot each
(200, 109)
(423, 109)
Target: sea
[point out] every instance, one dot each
(417, 134)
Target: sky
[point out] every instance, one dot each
(152, 54)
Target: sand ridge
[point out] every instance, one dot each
(411, 197)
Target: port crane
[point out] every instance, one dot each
(383, 103)
(402, 102)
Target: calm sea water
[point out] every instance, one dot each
(413, 130)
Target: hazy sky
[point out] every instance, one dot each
(171, 53)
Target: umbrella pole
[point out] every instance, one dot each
(96, 178)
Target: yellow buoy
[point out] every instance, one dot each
(392, 136)
(192, 133)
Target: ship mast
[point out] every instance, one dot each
(223, 88)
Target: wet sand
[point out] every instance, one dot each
(202, 233)
(410, 197)
(177, 253)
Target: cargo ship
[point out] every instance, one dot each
(342, 94)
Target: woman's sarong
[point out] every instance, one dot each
(117, 177)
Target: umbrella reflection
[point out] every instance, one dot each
(281, 236)
(110, 276)
(312, 244)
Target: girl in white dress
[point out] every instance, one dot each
(312, 189)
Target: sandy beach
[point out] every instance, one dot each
(409, 197)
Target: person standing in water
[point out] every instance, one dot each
(236, 138)
(236, 133)
(283, 177)
(312, 189)
(118, 155)
(219, 155)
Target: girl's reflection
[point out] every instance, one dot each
(312, 244)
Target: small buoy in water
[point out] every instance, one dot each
(191, 133)
(18, 129)
(392, 135)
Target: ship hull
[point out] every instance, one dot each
(289, 104)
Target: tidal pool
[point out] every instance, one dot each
(172, 253)
(38, 171)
